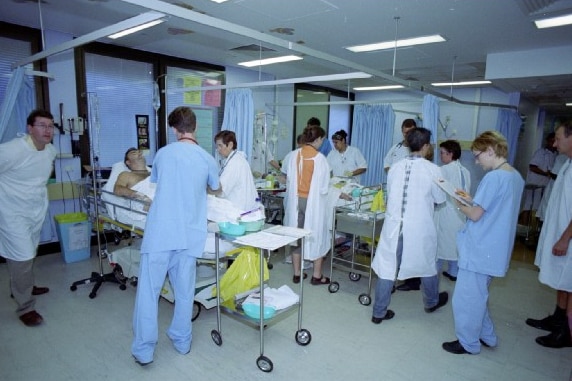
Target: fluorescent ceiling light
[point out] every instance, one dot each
(90, 37)
(569, 104)
(318, 78)
(135, 29)
(466, 83)
(399, 43)
(218, 1)
(270, 61)
(371, 88)
(554, 21)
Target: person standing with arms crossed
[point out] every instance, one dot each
(25, 167)
(175, 235)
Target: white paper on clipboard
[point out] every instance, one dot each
(449, 188)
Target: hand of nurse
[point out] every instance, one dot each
(560, 247)
(348, 173)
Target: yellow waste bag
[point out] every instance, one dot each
(243, 275)
(378, 204)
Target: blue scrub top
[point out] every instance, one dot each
(177, 218)
(485, 246)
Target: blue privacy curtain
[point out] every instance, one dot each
(17, 104)
(239, 118)
(508, 124)
(372, 134)
(430, 110)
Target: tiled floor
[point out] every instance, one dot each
(89, 339)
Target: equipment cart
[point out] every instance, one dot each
(360, 222)
(266, 240)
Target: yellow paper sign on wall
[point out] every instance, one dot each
(192, 97)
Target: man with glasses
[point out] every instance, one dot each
(25, 167)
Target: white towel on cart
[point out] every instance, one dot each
(280, 298)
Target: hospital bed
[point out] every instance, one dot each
(124, 214)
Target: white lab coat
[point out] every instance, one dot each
(319, 242)
(24, 172)
(556, 271)
(237, 182)
(448, 219)
(419, 233)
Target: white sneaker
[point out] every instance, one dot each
(288, 259)
(307, 265)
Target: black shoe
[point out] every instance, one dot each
(546, 324)
(557, 339)
(449, 276)
(141, 362)
(455, 347)
(443, 299)
(389, 314)
(485, 344)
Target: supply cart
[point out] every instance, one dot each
(360, 222)
(270, 238)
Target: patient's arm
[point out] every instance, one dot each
(216, 192)
(123, 185)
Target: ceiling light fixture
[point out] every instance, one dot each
(399, 43)
(372, 88)
(93, 36)
(270, 61)
(318, 78)
(465, 83)
(569, 104)
(218, 1)
(553, 21)
(135, 29)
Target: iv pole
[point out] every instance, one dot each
(96, 277)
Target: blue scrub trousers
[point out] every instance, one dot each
(471, 312)
(383, 288)
(153, 268)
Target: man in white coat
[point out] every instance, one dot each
(408, 242)
(554, 252)
(25, 167)
(448, 219)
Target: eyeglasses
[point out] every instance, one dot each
(45, 127)
(477, 155)
(337, 137)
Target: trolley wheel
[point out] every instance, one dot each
(196, 311)
(92, 295)
(270, 266)
(303, 337)
(215, 335)
(264, 364)
(364, 299)
(354, 277)
(333, 287)
(122, 287)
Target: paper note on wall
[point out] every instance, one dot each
(192, 97)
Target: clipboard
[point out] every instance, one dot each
(449, 188)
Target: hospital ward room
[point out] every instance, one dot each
(165, 218)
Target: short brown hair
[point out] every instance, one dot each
(493, 139)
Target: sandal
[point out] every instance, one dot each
(320, 281)
(296, 278)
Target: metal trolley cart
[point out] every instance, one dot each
(358, 220)
(266, 240)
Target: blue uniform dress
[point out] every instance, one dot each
(485, 247)
(175, 235)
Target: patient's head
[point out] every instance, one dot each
(134, 160)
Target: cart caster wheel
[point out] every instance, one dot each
(303, 337)
(92, 295)
(73, 288)
(196, 311)
(364, 299)
(215, 335)
(354, 277)
(122, 287)
(333, 287)
(264, 364)
(270, 266)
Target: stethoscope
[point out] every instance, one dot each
(226, 163)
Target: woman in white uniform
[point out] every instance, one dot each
(236, 178)
(307, 198)
(344, 160)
